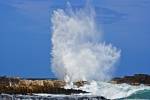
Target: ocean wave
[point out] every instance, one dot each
(141, 94)
(112, 91)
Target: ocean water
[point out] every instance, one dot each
(96, 89)
(141, 94)
(115, 91)
(49, 97)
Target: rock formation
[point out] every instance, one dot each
(15, 85)
(136, 79)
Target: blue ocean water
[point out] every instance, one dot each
(142, 94)
(116, 91)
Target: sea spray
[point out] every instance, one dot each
(78, 53)
(112, 91)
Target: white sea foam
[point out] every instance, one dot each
(78, 52)
(111, 91)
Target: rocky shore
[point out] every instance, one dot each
(14, 85)
(136, 79)
(15, 88)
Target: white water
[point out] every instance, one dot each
(109, 90)
(78, 51)
(80, 54)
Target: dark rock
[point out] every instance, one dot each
(136, 79)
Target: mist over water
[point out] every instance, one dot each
(78, 52)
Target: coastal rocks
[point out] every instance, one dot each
(137, 79)
(26, 86)
(80, 83)
(9, 81)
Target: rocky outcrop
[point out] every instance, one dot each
(136, 79)
(80, 83)
(27, 86)
(11, 88)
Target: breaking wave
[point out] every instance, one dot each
(115, 91)
(78, 52)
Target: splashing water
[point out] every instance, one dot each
(111, 91)
(78, 51)
(80, 54)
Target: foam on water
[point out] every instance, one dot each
(109, 90)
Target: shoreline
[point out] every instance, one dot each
(16, 85)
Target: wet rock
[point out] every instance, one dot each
(81, 83)
(27, 86)
(136, 79)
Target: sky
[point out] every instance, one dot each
(25, 34)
